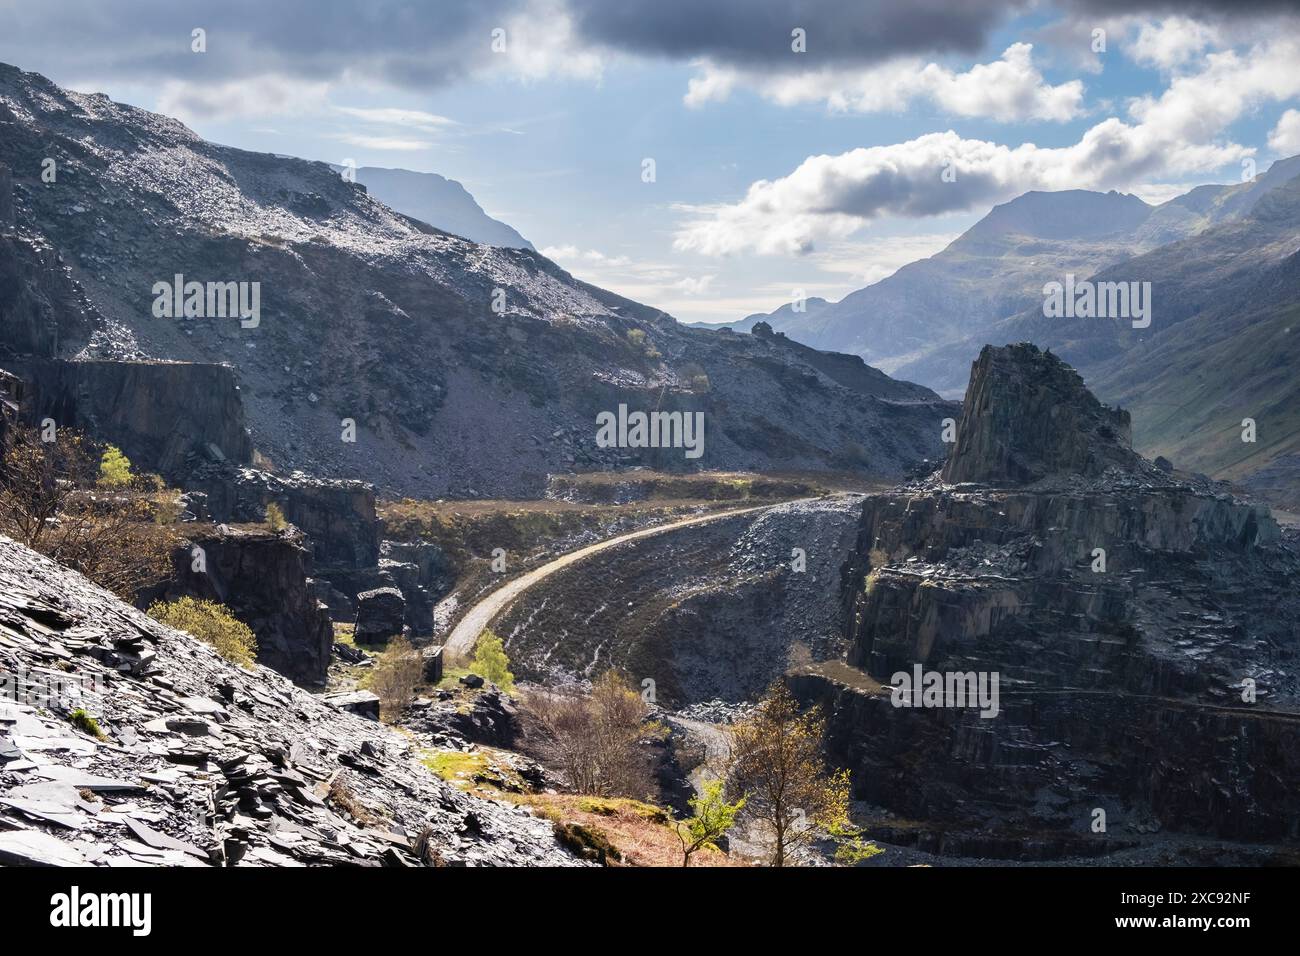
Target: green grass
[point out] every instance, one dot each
(84, 722)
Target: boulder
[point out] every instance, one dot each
(363, 703)
(381, 615)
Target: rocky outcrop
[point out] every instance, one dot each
(201, 762)
(381, 615)
(1027, 415)
(161, 414)
(338, 516)
(263, 577)
(1137, 621)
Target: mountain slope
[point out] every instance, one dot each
(441, 202)
(994, 270)
(202, 762)
(1221, 345)
(465, 369)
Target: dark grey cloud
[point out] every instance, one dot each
(758, 32)
(405, 42)
(415, 43)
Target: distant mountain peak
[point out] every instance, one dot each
(1067, 214)
(441, 202)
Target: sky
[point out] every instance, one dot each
(712, 158)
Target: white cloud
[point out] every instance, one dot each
(833, 196)
(1008, 89)
(391, 116)
(566, 253)
(694, 285)
(1171, 42)
(384, 142)
(265, 95)
(1285, 138)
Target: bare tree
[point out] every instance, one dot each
(596, 740)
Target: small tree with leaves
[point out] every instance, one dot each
(491, 662)
(712, 816)
(114, 469)
(780, 766)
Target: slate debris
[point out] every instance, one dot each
(203, 763)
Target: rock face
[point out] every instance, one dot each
(1027, 415)
(161, 414)
(381, 614)
(7, 221)
(201, 762)
(39, 301)
(264, 578)
(338, 517)
(1126, 612)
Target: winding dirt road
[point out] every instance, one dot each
(463, 635)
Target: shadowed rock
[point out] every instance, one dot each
(1028, 415)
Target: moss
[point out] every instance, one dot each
(84, 722)
(477, 769)
(590, 843)
(609, 807)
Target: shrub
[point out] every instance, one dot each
(211, 623)
(48, 502)
(491, 662)
(596, 740)
(275, 519)
(114, 469)
(394, 678)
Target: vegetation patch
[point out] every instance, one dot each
(211, 623)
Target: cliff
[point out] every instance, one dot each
(1138, 622)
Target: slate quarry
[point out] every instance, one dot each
(1142, 622)
(191, 761)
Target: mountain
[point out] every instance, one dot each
(383, 348)
(1221, 346)
(905, 323)
(441, 202)
(994, 270)
(781, 320)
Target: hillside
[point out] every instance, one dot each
(441, 202)
(201, 762)
(466, 369)
(1219, 349)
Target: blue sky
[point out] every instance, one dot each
(551, 135)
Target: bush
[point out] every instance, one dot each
(275, 519)
(596, 741)
(48, 501)
(114, 469)
(491, 662)
(394, 678)
(211, 623)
